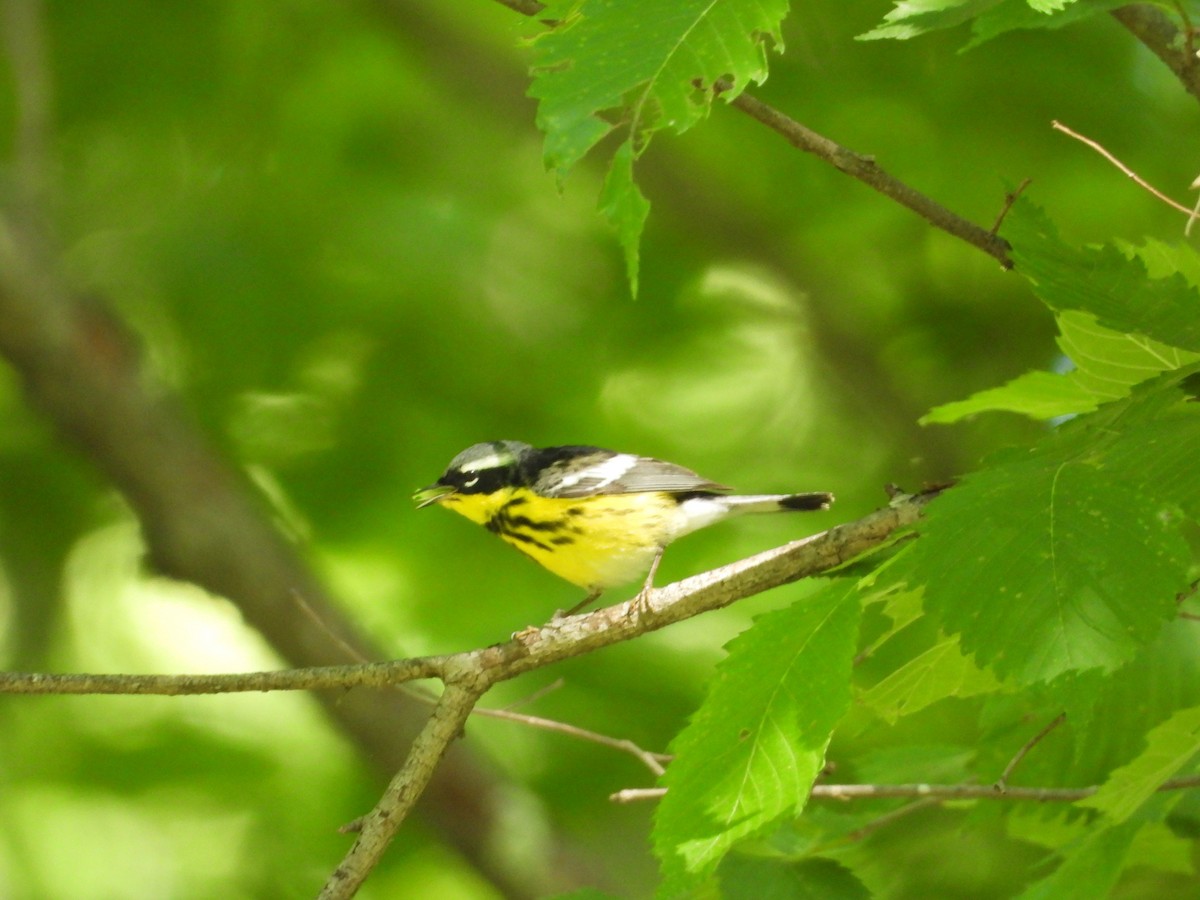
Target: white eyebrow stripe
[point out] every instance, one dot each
(495, 461)
(604, 473)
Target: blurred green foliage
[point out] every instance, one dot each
(331, 226)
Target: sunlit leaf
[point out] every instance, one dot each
(910, 18)
(1039, 395)
(644, 67)
(939, 672)
(1066, 558)
(751, 752)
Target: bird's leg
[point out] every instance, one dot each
(582, 604)
(640, 604)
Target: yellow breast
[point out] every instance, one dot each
(594, 542)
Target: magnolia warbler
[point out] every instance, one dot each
(594, 517)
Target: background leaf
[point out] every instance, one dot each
(763, 878)
(1089, 867)
(1103, 282)
(939, 672)
(1169, 747)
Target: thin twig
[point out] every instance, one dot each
(651, 760)
(1009, 199)
(934, 791)
(866, 170)
(1001, 784)
(541, 692)
(633, 795)
(1125, 170)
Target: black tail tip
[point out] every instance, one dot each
(806, 501)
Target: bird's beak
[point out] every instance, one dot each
(431, 494)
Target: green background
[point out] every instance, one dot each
(331, 226)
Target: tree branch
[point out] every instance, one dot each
(380, 825)
(1159, 34)
(533, 648)
(468, 675)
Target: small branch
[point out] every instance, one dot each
(378, 827)
(934, 791)
(865, 169)
(633, 795)
(1125, 170)
(381, 674)
(651, 760)
(845, 160)
(1009, 199)
(1001, 784)
(975, 791)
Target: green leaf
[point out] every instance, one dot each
(1168, 748)
(745, 877)
(910, 18)
(1161, 456)
(626, 208)
(1090, 867)
(1108, 716)
(647, 58)
(1067, 559)
(1083, 287)
(1059, 568)
(751, 752)
(1012, 15)
(929, 763)
(1157, 847)
(1107, 364)
(1102, 281)
(939, 672)
(1039, 395)
(649, 66)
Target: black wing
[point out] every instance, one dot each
(587, 471)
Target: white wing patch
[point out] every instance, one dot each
(600, 475)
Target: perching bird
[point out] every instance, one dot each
(594, 517)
